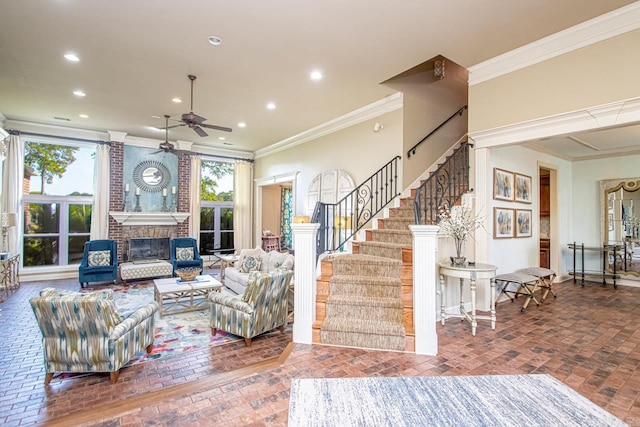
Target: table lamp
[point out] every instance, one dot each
(6, 220)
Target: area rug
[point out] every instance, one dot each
(175, 333)
(491, 400)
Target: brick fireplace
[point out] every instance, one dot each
(126, 225)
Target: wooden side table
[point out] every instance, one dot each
(271, 243)
(471, 273)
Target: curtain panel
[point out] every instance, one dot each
(242, 212)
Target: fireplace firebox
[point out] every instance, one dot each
(142, 249)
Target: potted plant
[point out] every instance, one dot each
(459, 223)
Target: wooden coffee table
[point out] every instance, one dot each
(175, 296)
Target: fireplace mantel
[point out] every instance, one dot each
(149, 218)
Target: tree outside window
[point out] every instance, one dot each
(216, 207)
(58, 187)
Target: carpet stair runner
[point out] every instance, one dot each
(353, 307)
(364, 307)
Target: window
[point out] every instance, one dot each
(216, 207)
(57, 203)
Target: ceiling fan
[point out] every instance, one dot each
(195, 121)
(166, 146)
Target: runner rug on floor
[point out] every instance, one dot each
(490, 400)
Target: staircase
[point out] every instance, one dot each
(365, 299)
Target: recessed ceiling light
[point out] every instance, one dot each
(271, 106)
(242, 125)
(83, 116)
(176, 100)
(221, 138)
(71, 57)
(79, 93)
(316, 75)
(216, 41)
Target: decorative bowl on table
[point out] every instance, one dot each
(188, 274)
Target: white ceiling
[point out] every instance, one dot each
(136, 55)
(601, 143)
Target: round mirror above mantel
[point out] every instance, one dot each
(151, 176)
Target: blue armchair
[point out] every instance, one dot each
(99, 262)
(184, 253)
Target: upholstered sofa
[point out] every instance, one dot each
(237, 276)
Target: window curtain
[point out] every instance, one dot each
(194, 198)
(286, 214)
(242, 213)
(13, 173)
(100, 208)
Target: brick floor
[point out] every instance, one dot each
(587, 338)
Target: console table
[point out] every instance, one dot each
(471, 273)
(604, 252)
(9, 280)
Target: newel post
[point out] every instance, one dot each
(425, 279)
(304, 243)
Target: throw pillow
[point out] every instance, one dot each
(249, 264)
(248, 252)
(99, 258)
(184, 254)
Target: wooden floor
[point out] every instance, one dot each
(588, 338)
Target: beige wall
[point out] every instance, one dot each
(427, 102)
(595, 75)
(358, 150)
(271, 208)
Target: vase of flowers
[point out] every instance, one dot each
(459, 223)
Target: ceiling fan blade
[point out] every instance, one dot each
(200, 131)
(174, 126)
(222, 128)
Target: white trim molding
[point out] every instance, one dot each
(612, 24)
(607, 115)
(149, 218)
(375, 109)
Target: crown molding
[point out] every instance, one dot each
(375, 109)
(598, 117)
(55, 131)
(595, 30)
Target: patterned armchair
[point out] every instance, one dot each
(99, 262)
(261, 308)
(84, 332)
(184, 253)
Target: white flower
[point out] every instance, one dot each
(459, 223)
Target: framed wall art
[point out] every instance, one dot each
(503, 223)
(502, 184)
(522, 188)
(523, 222)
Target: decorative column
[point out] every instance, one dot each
(425, 280)
(304, 242)
(482, 240)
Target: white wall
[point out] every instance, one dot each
(358, 150)
(515, 253)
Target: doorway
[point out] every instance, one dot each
(548, 217)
